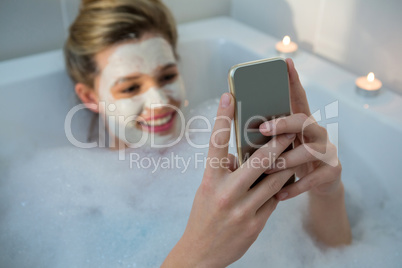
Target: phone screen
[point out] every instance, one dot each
(261, 90)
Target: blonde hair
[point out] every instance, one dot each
(101, 23)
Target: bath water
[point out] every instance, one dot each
(71, 207)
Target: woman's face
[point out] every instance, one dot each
(140, 86)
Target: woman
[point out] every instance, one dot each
(122, 56)
(121, 78)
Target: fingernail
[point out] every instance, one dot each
(290, 136)
(266, 126)
(225, 100)
(282, 196)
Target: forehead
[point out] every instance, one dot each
(131, 56)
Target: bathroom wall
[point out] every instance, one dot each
(359, 35)
(34, 26)
(29, 26)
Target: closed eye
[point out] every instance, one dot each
(131, 89)
(168, 78)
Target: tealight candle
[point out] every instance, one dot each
(368, 85)
(286, 47)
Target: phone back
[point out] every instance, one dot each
(261, 91)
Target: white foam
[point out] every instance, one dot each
(70, 207)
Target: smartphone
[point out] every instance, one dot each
(261, 92)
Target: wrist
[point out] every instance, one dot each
(184, 255)
(327, 219)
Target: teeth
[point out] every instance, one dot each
(159, 121)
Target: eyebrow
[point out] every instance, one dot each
(124, 79)
(167, 66)
(127, 78)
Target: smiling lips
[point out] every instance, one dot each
(158, 123)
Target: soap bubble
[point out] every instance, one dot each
(72, 207)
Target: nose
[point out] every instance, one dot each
(155, 96)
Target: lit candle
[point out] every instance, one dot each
(368, 85)
(286, 47)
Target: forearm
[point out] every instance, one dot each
(328, 220)
(184, 255)
(177, 258)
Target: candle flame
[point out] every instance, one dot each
(370, 77)
(286, 40)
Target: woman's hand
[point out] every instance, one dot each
(314, 156)
(227, 216)
(316, 163)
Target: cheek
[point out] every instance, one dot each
(175, 90)
(104, 94)
(128, 107)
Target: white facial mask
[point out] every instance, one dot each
(142, 57)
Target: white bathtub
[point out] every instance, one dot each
(36, 95)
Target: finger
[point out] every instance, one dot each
(219, 141)
(321, 177)
(230, 162)
(267, 188)
(298, 96)
(295, 123)
(297, 156)
(265, 211)
(298, 140)
(233, 164)
(262, 159)
(289, 124)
